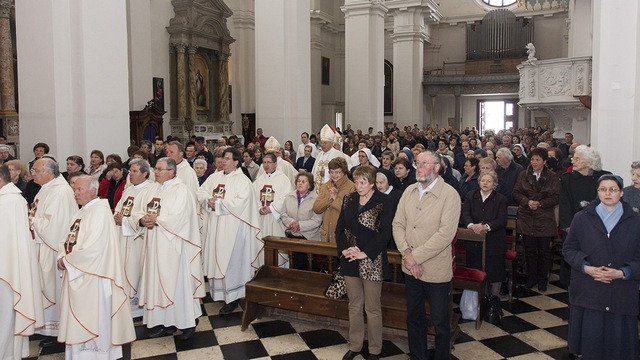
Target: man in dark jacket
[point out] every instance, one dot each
(306, 162)
(508, 172)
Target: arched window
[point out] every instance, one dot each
(499, 3)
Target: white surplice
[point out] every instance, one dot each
(50, 215)
(233, 246)
(171, 283)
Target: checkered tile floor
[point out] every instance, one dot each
(534, 326)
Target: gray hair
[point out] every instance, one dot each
(93, 182)
(200, 161)
(5, 175)
(491, 173)
(51, 166)
(635, 165)
(8, 148)
(171, 164)
(148, 143)
(505, 152)
(142, 164)
(178, 144)
(591, 156)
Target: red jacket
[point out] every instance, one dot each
(112, 190)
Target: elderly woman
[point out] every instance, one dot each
(365, 158)
(603, 249)
(469, 180)
(74, 164)
(329, 200)
(485, 212)
(384, 182)
(578, 189)
(632, 192)
(536, 193)
(362, 234)
(18, 173)
(200, 167)
(519, 155)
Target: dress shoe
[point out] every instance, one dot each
(228, 308)
(187, 333)
(48, 341)
(350, 355)
(373, 357)
(159, 331)
(542, 287)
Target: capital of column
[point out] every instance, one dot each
(6, 6)
(191, 49)
(180, 47)
(364, 8)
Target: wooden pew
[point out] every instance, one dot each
(303, 291)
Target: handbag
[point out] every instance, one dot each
(337, 287)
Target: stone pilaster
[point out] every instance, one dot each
(223, 90)
(193, 115)
(181, 77)
(7, 81)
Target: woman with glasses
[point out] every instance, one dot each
(536, 193)
(603, 250)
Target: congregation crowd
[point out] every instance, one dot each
(103, 242)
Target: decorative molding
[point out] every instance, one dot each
(471, 84)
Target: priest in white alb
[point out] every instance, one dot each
(186, 174)
(171, 284)
(95, 320)
(49, 216)
(271, 187)
(131, 234)
(233, 246)
(20, 299)
(321, 166)
(273, 146)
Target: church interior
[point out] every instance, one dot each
(83, 75)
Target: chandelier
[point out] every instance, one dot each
(531, 4)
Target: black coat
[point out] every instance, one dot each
(492, 211)
(542, 221)
(508, 178)
(588, 240)
(468, 186)
(308, 166)
(575, 191)
(371, 227)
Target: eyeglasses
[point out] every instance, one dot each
(608, 190)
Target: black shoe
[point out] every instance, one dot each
(187, 333)
(228, 308)
(493, 315)
(159, 331)
(48, 341)
(350, 355)
(542, 287)
(373, 357)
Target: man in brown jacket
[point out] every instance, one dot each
(424, 226)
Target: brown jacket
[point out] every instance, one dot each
(542, 221)
(331, 208)
(427, 226)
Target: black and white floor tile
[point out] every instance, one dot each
(534, 326)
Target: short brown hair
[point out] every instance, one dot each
(339, 163)
(309, 177)
(366, 172)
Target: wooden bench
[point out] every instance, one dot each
(303, 291)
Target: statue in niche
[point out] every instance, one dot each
(201, 98)
(531, 52)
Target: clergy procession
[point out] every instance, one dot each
(89, 251)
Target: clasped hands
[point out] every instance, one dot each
(603, 274)
(478, 228)
(353, 253)
(410, 263)
(149, 221)
(533, 204)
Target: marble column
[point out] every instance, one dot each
(7, 82)
(364, 63)
(408, 53)
(193, 114)
(580, 28)
(615, 111)
(223, 90)
(316, 70)
(181, 74)
(282, 60)
(73, 76)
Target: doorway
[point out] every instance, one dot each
(497, 115)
